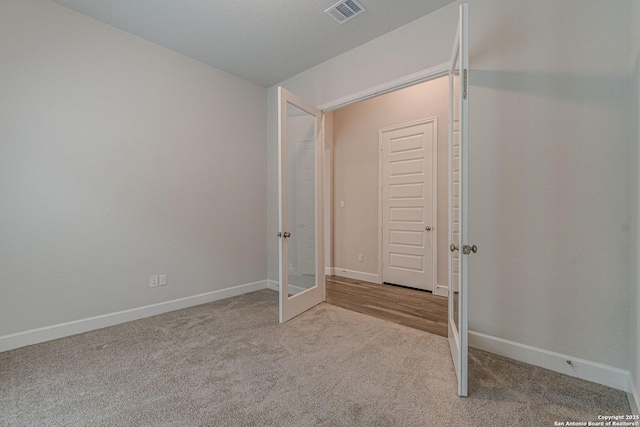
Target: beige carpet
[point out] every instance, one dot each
(229, 363)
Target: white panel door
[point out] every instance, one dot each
(458, 202)
(409, 174)
(300, 196)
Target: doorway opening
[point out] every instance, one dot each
(388, 187)
(387, 165)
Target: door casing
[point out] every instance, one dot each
(425, 75)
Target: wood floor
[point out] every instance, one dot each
(410, 307)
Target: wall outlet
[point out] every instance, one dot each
(153, 281)
(360, 257)
(342, 203)
(163, 280)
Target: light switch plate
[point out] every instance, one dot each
(163, 280)
(153, 281)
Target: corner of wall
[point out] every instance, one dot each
(139, 198)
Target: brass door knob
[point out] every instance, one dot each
(427, 228)
(453, 248)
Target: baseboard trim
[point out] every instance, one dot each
(633, 395)
(442, 291)
(48, 333)
(579, 368)
(328, 271)
(273, 285)
(358, 275)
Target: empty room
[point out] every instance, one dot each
(172, 179)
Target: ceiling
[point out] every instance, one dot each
(262, 41)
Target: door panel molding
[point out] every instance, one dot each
(408, 190)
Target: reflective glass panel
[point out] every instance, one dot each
(301, 209)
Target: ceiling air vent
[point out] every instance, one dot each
(345, 10)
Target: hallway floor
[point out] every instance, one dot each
(405, 306)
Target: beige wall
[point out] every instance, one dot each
(356, 165)
(119, 159)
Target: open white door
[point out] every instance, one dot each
(301, 148)
(458, 201)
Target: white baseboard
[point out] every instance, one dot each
(580, 368)
(442, 291)
(274, 285)
(48, 333)
(358, 275)
(633, 395)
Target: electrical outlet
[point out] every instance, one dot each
(342, 203)
(360, 257)
(153, 281)
(163, 280)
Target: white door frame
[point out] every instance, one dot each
(458, 333)
(412, 79)
(408, 80)
(434, 195)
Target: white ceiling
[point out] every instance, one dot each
(262, 41)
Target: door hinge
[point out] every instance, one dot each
(464, 84)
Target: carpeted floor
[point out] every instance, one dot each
(229, 363)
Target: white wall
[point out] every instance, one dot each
(356, 152)
(550, 163)
(550, 176)
(119, 159)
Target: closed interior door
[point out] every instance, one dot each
(408, 204)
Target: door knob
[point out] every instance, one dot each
(286, 234)
(427, 228)
(453, 248)
(466, 249)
